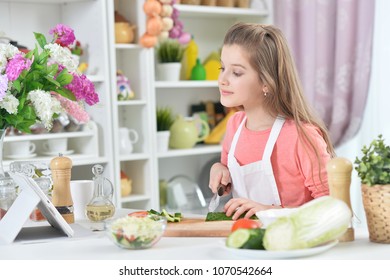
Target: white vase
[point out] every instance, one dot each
(168, 71)
(163, 141)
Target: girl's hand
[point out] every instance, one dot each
(239, 206)
(219, 174)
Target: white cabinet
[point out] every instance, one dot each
(93, 22)
(145, 166)
(208, 25)
(18, 20)
(136, 63)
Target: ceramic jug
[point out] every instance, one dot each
(185, 134)
(124, 33)
(127, 137)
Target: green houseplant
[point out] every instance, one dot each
(169, 55)
(373, 169)
(169, 51)
(164, 119)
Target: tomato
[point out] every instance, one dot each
(139, 214)
(245, 223)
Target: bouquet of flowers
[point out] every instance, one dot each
(39, 86)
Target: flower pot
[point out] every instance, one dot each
(163, 141)
(168, 71)
(376, 201)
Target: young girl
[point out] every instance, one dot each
(275, 150)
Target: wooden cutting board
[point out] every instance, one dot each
(193, 227)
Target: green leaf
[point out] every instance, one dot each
(54, 82)
(16, 85)
(41, 39)
(66, 93)
(64, 79)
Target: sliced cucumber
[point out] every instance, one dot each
(238, 238)
(256, 239)
(246, 239)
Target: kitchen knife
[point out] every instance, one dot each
(214, 203)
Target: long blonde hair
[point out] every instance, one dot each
(270, 55)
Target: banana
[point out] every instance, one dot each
(218, 132)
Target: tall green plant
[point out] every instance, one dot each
(374, 166)
(164, 118)
(170, 51)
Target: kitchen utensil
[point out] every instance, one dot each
(214, 203)
(198, 227)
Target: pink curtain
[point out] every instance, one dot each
(331, 41)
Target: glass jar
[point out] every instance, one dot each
(8, 193)
(44, 184)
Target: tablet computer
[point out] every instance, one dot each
(31, 196)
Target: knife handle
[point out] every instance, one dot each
(222, 188)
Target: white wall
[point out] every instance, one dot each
(377, 114)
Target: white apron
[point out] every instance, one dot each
(256, 180)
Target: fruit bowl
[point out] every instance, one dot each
(136, 232)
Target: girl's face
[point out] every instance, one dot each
(238, 82)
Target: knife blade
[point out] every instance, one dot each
(214, 203)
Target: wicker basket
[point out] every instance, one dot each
(225, 3)
(209, 2)
(190, 2)
(376, 201)
(242, 3)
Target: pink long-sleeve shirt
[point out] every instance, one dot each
(295, 166)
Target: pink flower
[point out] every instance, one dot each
(63, 35)
(73, 109)
(16, 65)
(83, 89)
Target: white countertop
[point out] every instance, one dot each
(87, 245)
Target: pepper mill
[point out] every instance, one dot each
(339, 178)
(62, 199)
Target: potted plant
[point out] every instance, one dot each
(165, 119)
(374, 171)
(169, 55)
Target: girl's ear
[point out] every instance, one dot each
(265, 88)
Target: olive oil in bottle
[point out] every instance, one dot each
(100, 207)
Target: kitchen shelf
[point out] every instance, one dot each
(131, 103)
(134, 156)
(54, 2)
(135, 197)
(198, 11)
(44, 136)
(96, 78)
(197, 150)
(128, 47)
(186, 84)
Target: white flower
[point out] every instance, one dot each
(45, 106)
(10, 104)
(62, 56)
(7, 51)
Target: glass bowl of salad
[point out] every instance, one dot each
(136, 232)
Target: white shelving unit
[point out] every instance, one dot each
(18, 20)
(93, 22)
(197, 19)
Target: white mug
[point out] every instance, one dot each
(21, 148)
(82, 193)
(127, 137)
(55, 145)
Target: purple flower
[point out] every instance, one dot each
(3, 86)
(63, 35)
(83, 89)
(16, 65)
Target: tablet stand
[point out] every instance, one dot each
(30, 196)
